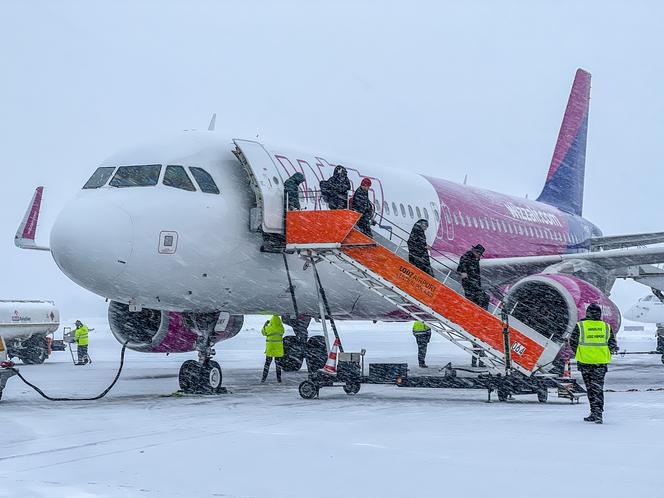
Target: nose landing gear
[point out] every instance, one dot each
(198, 377)
(203, 376)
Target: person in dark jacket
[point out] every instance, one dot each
(471, 280)
(292, 193)
(335, 189)
(362, 205)
(594, 341)
(418, 251)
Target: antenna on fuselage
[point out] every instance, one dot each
(213, 122)
(465, 179)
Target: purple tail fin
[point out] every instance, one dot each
(564, 183)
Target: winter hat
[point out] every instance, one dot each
(365, 182)
(594, 312)
(479, 248)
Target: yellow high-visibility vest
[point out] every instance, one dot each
(81, 334)
(420, 328)
(593, 348)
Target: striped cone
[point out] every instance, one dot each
(330, 367)
(567, 371)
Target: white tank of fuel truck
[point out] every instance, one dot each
(25, 324)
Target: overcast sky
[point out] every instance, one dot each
(443, 88)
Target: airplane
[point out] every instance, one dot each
(182, 236)
(648, 309)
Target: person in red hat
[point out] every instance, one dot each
(362, 205)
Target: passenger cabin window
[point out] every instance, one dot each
(99, 177)
(386, 206)
(419, 213)
(136, 176)
(394, 209)
(177, 177)
(410, 211)
(403, 210)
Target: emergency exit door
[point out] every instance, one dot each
(266, 182)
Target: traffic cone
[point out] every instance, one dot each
(567, 371)
(330, 367)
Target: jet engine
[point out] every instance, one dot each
(553, 303)
(159, 331)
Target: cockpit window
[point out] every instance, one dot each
(99, 177)
(204, 180)
(177, 177)
(136, 176)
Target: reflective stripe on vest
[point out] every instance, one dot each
(593, 348)
(420, 328)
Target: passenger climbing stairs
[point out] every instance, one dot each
(331, 236)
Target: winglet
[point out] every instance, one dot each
(27, 230)
(564, 183)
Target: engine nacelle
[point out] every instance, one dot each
(552, 304)
(159, 331)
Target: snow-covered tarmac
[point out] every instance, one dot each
(265, 441)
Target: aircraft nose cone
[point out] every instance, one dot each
(91, 242)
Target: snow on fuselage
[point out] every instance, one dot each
(167, 248)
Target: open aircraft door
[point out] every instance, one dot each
(266, 182)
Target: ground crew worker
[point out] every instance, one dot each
(335, 189)
(82, 341)
(594, 342)
(362, 205)
(418, 251)
(422, 334)
(292, 192)
(273, 330)
(471, 280)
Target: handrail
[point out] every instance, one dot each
(488, 285)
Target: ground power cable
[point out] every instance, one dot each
(99, 396)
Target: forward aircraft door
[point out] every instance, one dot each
(266, 182)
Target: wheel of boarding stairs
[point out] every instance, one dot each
(189, 373)
(352, 387)
(35, 352)
(663, 358)
(293, 356)
(316, 353)
(209, 380)
(503, 394)
(542, 395)
(308, 390)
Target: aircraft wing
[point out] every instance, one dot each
(27, 230)
(629, 240)
(611, 259)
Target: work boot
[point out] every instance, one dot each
(590, 418)
(598, 419)
(422, 365)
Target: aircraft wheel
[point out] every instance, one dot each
(189, 375)
(316, 353)
(542, 395)
(308, 390)
(210, 378)
(293, 356)
(352, 387)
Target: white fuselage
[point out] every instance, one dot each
(108, 240)
(648, 309)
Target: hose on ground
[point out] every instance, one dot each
(99, 396)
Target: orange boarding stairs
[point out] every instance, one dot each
(331, 236)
